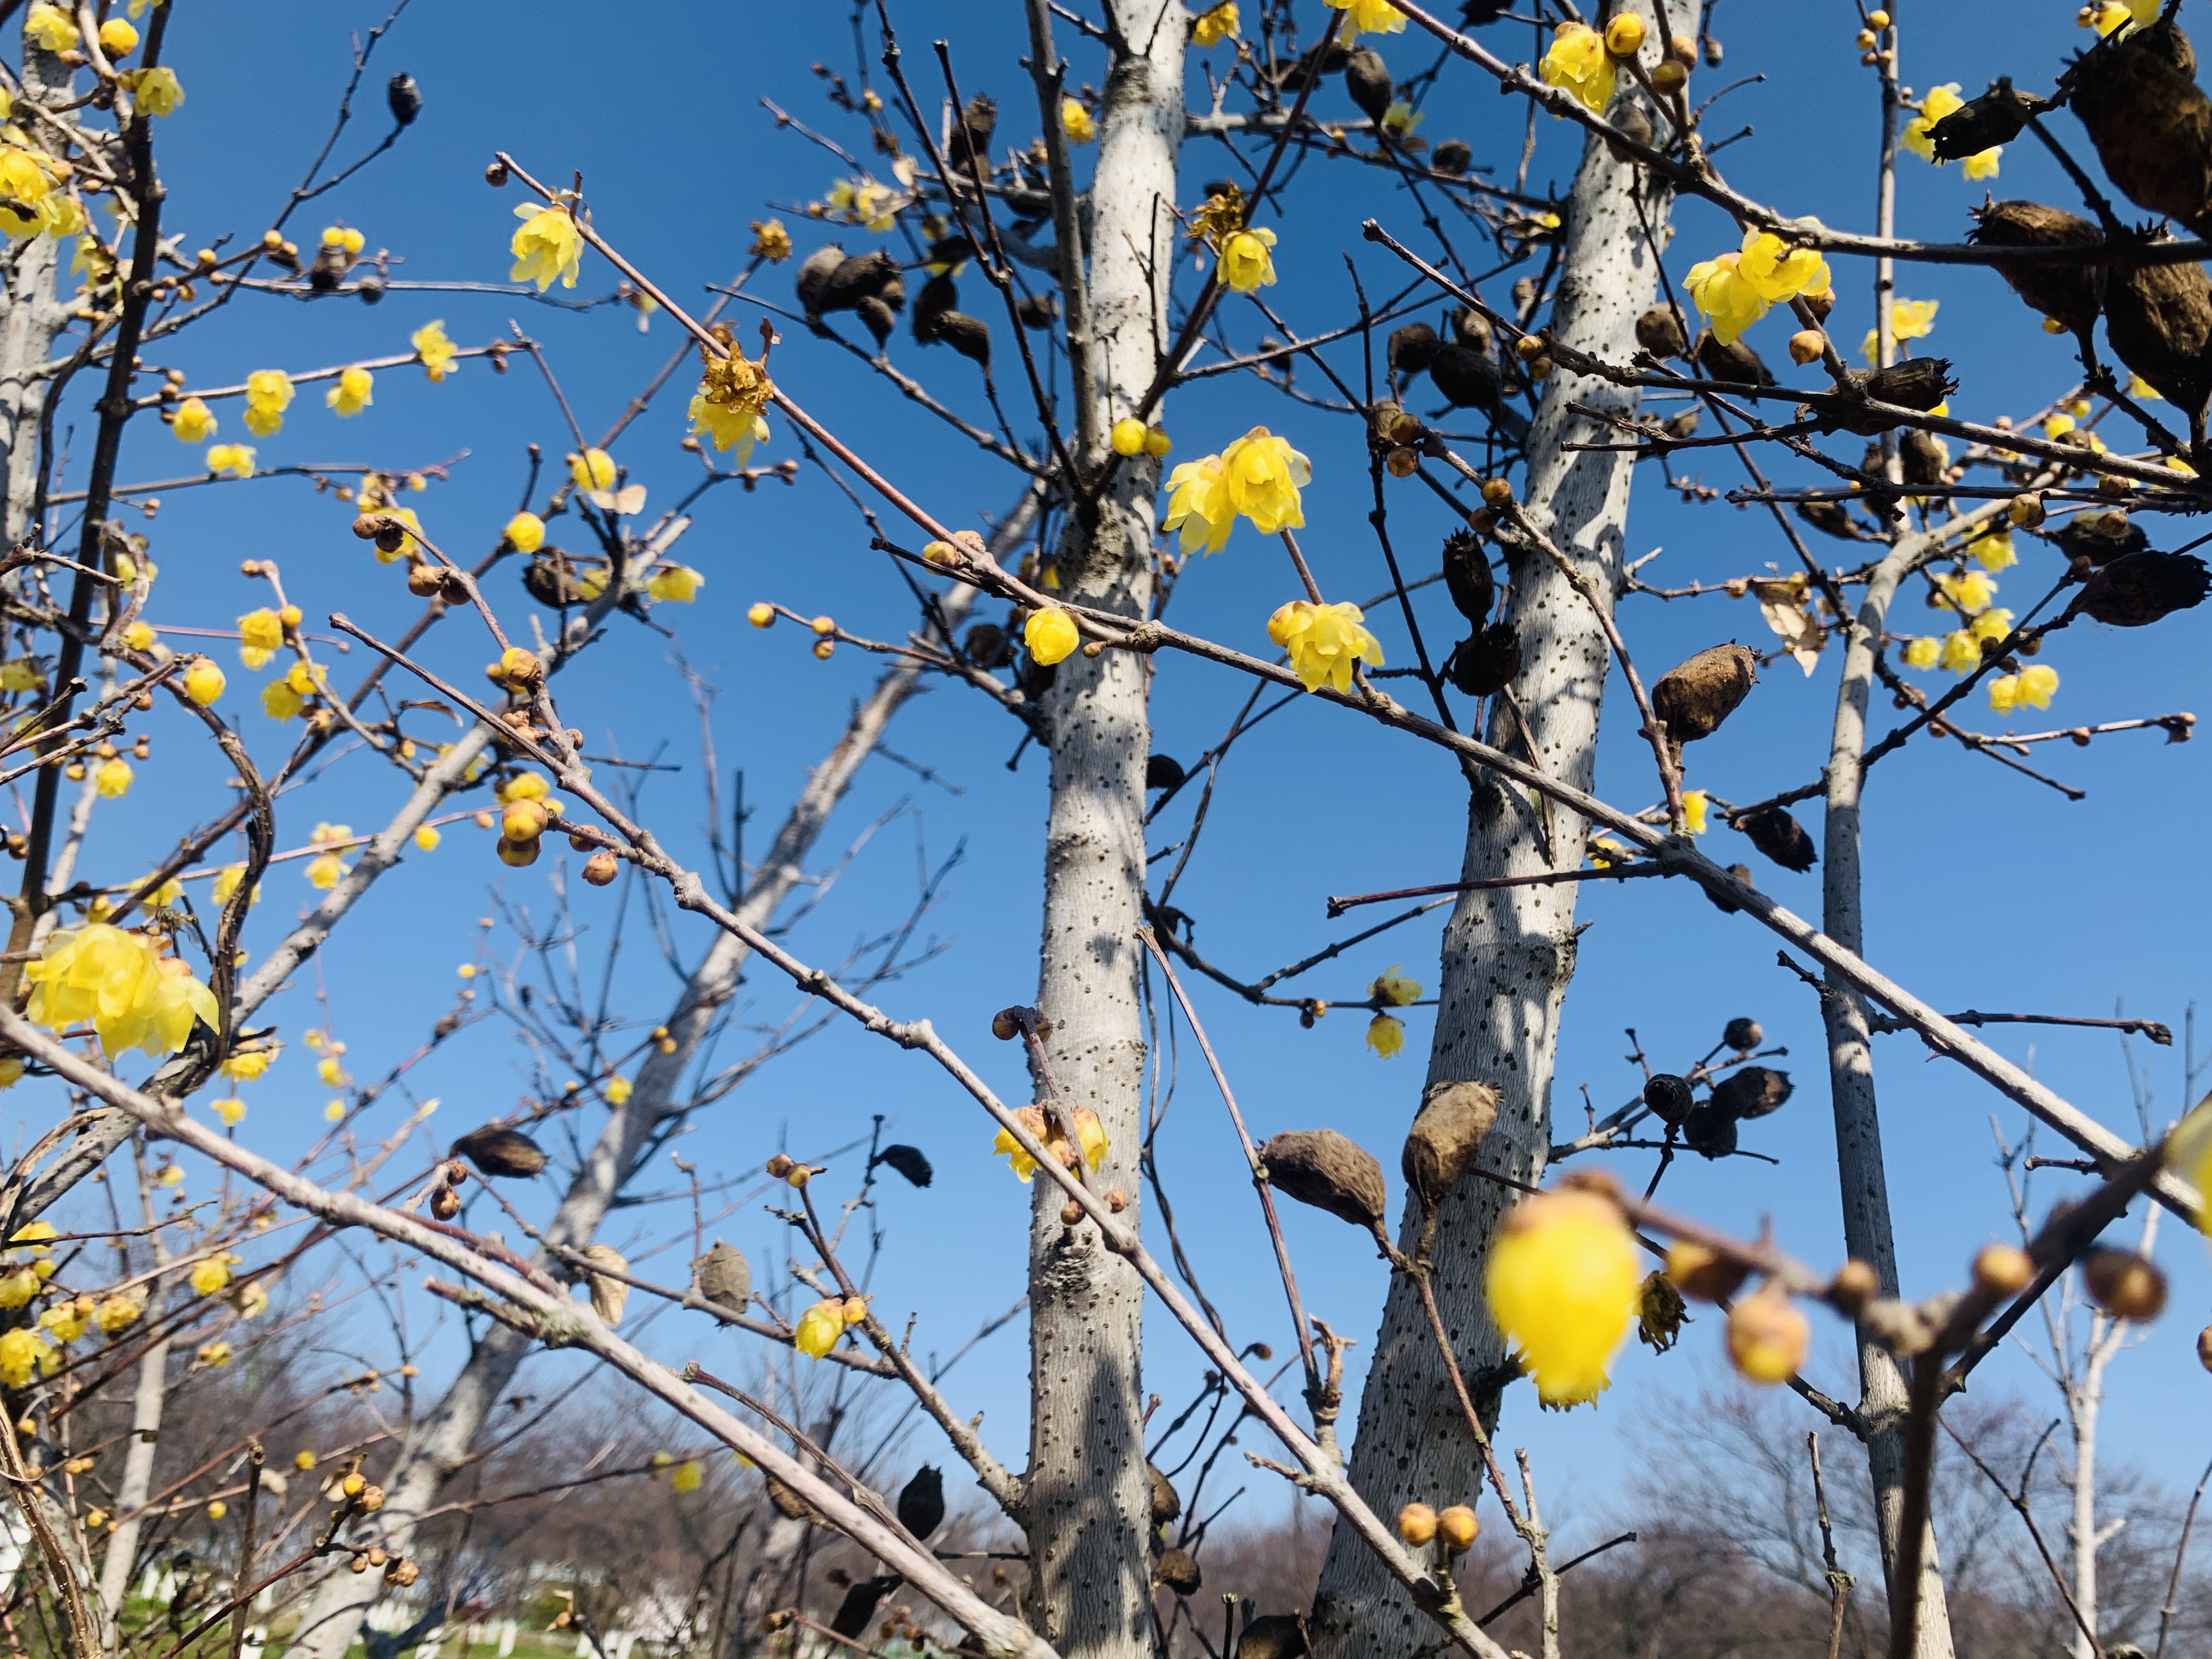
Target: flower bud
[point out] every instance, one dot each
(1401, 462)
(1006, 1024)
(1670, 76)
(1805, 346)
(856, 1310)
(1070, 1212)
(1701, 1271)
(602, 867)
(2002, 1270)
(517, 855)
(376, 1557)
(1624, 35)
(372, 1499)
(2204, 1348)
(402, 1572)
(523, 820)
(762, 615)
(1855, 1284)
(1457, 1526)
(2125, 1283)
(424, 581)
(1529, 346)
(1497, 491)
(1116, 1200)
(352, 1484)
(824, 626)
(521, 667)
(1417, 1524)
(359, 1564)
(1539, 368)
(2025, 511)
(496, 175)
(445, 1204)
(217, 1509)
(780, 1166)
(370, 525)
(1768, 1338)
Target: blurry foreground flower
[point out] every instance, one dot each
(687, 1477)
(1563, 1285)
(1368, 17)
(1768, 1338)
(1088, 1130)
(211, 1274)
(51, 27)
(1075, 121)
(771, 241)
(2189, 1155)
(113, 779)
(1324, 641)
(678, 584)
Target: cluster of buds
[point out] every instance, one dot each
(1869, 41)
(1071, 1213)
(1535, 350)
(1399, 433)
(523, 820)
(1456, 1528)
(444, 1197)
(792, 1172)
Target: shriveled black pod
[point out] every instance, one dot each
(2151, 123)
(1829, 518)
(1277, 1635)
(1038, 310)
(1413, 347)
(878, 317)
(2099, 538)
(1367, 79)
(1743, 1033)
(1696, 697)
(1163, 772)
(971, 133)
(861, 276)
(2141, 588)
(724, 1277)
(1729, 906)
(1753, 1091)
(1780, 836)
(1733, 360)
(1178, 1571)
(939, 296)
(1710, 1130)
(922, 1502)
(1467, 578)
(1922, 457)
(1447, 1133)
(1668, 1097)
(909, 1161)
(1166, 1503)
(1659, 331)
(1995, 117)
(859, 1606)
(2072, 294)
(2159, 320)
(1329, 1171)
(1486, 662)
(1467, 379)
(501, 1151)
(1471, 329)
(814, 273)
(1453, 156)
(969, 336)
(551, 577)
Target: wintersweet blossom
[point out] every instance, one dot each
(211, 1275)
(51, 27)
(233, 460)
(1261, 476)
(1778, 272)
(118, 39)
(727, 428)
(352, 393)
(1578, 62)
(260, 633)
(1386, 1036)
(1393, 987)
(1909, 319)
(819, 1328)
(1246, 264)
(1051, 635)
(1364, 17)
(157, 90)
(678, 584)
(871, 205)
(1324, 641)
(2029, 689)
(1075, 121)
(1995, 552)
(2189, 1155)
(268, 395)
(1197, 504)
(1562, 1283)
(113, 779)
(687, 1477)
(771, 241)
(1695, 804)
(195, 422)
(1961, 653)
(434, 349)
(1089, 1131)
(546, 246)
(1210, 28)
(593, 469)
(25, 1348)
(1729, 303)
(1921, 653)
(133, 995)
(1968, 591)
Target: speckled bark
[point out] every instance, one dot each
(1088, 1494)
(1508, 955)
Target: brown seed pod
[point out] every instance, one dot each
(1453, 157)
(1659, 331)
(2125, 1283)
(1467, 578)
(988, 647)
(939, 296)
(1668, 1097)
(1178, 1571)
(1695, 697)
(1829, 518)
(1710, 1130)
(814, 273)
(1413, 347)
(608, 1295)
(2151, 123)
(1486, 661)
(788, 1504)
(1329, 1171)
(724, 1277)
(550, 578)
(2204, 1348)
(445, 1204)
(1467, 379)
(2099, 538)
(1923, 458)
(1995, 117)
(1743, 1033)
(2159, 320)
(2072, 294)
(1038, 310)
(1734, 363)
(601, 868)
(1167, 1504)
(1919, 383)
(501, 1151)
(1660, 1313)
(1780, 836)
(864, 275)
(1447, 1131)
(1753, 1091)
(969, 336)
(1277, 1636)
(878, 318)
(1367, 79)
(1471, 329)
(971, 134)
(2138, 589)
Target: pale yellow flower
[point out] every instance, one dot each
(1324, 641)
(546, 246)
(1562, 1282)
(1578, 62)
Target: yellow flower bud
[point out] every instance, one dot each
(761, 616)
(1417, 1524)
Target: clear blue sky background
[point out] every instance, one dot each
(1988, 890)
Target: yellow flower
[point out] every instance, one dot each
(524, 785)
(1261, 476)
(230, 1111)
(203, 681)
(729, 428)
(1324, 641)
(1939, 103)
(687, 1477)
(1991, 624)
(21, 675)
(592, 470)
(1088, 1130)
(864, 203)
(1995, 552)
(324, 872)
(351, 394)
(51, 27)
(134, 997)
(157, 90)
(678, 584)
(2140, 389)
(1197, 504)
(1578, 61)
(1393, 987)
(214, 1355)
(24, 1348)
(248, 1065)
(1364, 17)
(434, 349)
(1051, 635)
(235, 459)
(1694, 805)
(2029, 689)
(771, 241)
(335, 1110)
(139, 636)
(1075, 121)
(268, 394)
(1386, 1036)
(1920, 653)
(1777, 271)
(1719, 290)
(211, 1274)
(819, 1326)
(1210, 28)
(251, 1300)
(194, 423)
(1399, 119)
(18, 1287)
(1246, 264)
(546, 246)
(1909, 319)
(118, 1311)
(2189, 1155)
(1962, 653)
(1970, 592)
(428, 839)
(113, 779)
(1983, 164)
(1562, 1283)
(524, 533)
(11, 1072)
(118, 39)
(259, 635)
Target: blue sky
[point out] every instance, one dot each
(1986, 890)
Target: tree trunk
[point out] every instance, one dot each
(1508, 953)
(336, 1607)
(1865, 1186)
(1089, 1496)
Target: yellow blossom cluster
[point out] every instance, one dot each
(1212, 26)
(27, 181)
(1324, 641)
(231, 460)
(730, 406)
(1244, 258)
(1258, 475)
(1736, 289)
(268, 395)
(132, 995)
(1088, 1130)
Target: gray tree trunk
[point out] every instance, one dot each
(1865, 1186)
(335, 1608)
(1089, 1497)
(1507, 954)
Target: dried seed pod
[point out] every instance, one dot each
(403, 97)
(878, 318)
(2125, 1283)
(2140, 588)
(609, 1295)
(860, 1603)
(1167, 1505)
(1753, 1091)
(1829, 518)
(1696, 697)
(1734, 363)
(1471, 329)
(1329, 1171)
(1163, 772)
(1995, 117)
(788, 1503)
(1467, 578)
(1178, 1571)
(1453, 157)
(1660, 1313)
(908, 1162)
(922, 1502)
(814, 273)
(988, 646)
(1923, 458)
(2072, 294)
(939, 296)
(1710, 1130)
(1277, 1636)
(1447, 1131)
(551, 579)
(1668, 1097)
(724, 1277)
(1743, 1033)
(1631, 123)
(2101, 538)
(1467, 379)
(1727, 907)
(1367, 79)
(1780, 836)
(1486, 661)
(601, 868)
(1659, 331)
(1038, 310)
(501, 1151)
(1413, 347)
(1917, 383)
(971, 133)
(445, 1204)
(2159, 320)
(2204, 1348)
(969, 336)
(2151, 123)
